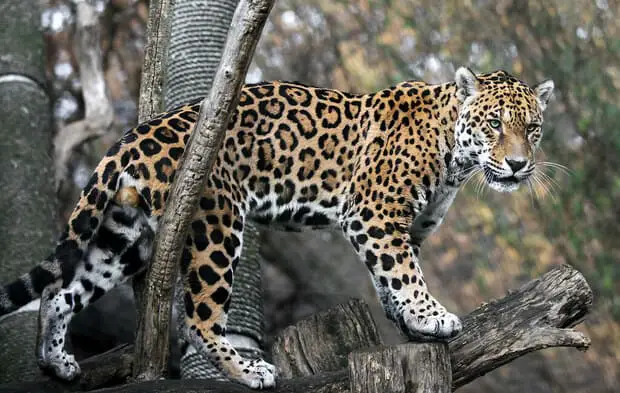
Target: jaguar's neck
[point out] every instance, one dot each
(459, 165)
(440, 100)
(413, 116)
(448, 109)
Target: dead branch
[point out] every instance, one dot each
(99, 114)
(200, 153)
(301, 350)
(538, 315)
(158, 38)
(150, 103)
(493, 334)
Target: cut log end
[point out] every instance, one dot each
(406, 368)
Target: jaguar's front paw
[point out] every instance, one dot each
(442, 325)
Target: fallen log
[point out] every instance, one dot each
(538, 315)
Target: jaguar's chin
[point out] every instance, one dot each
(502, 183)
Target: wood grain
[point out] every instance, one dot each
(405, 368)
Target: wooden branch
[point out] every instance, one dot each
(99, 114)
(534, 317)
(158, 38)
(323, 383)
(538, 315)
(150, 102)
(106, 369)
(406, 368)
(200, 154)
(493, 335)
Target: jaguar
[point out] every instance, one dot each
(384, 167)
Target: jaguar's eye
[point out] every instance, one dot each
(532, 127)
(495, 124)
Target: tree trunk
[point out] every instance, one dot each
(152, 80)
(322, 342)
(28, 201)
(150, 103)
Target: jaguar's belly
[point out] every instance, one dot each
(297, 216)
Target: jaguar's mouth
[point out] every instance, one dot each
(502, 183)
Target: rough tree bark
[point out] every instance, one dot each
(538, 315)
(28, 200)
(301, 350)
(197, 37)
(199, 156)
(405, 368)
(152, 80)
(494, 334)
(150, 102)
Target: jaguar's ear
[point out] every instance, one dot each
(544, 91)
(466, 83)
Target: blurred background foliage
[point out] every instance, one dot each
(490, 242)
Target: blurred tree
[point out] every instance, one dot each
(28, 202)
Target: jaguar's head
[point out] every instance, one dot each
(499, 125)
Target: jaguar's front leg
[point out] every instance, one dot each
(393, 263)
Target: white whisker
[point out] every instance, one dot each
(544, 185)
(551, 181)
(471, 175)
(530, 191)
(554, 165)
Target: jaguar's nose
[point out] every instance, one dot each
(516, 164)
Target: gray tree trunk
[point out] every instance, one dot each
(198, 34)
(28, 201)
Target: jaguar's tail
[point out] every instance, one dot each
(60, 266)
(28, 287)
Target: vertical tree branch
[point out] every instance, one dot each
(150, 103)
(158, 37)
(190, 70)
(152, 340)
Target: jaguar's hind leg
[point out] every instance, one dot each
(208, 266)
(117, 252)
